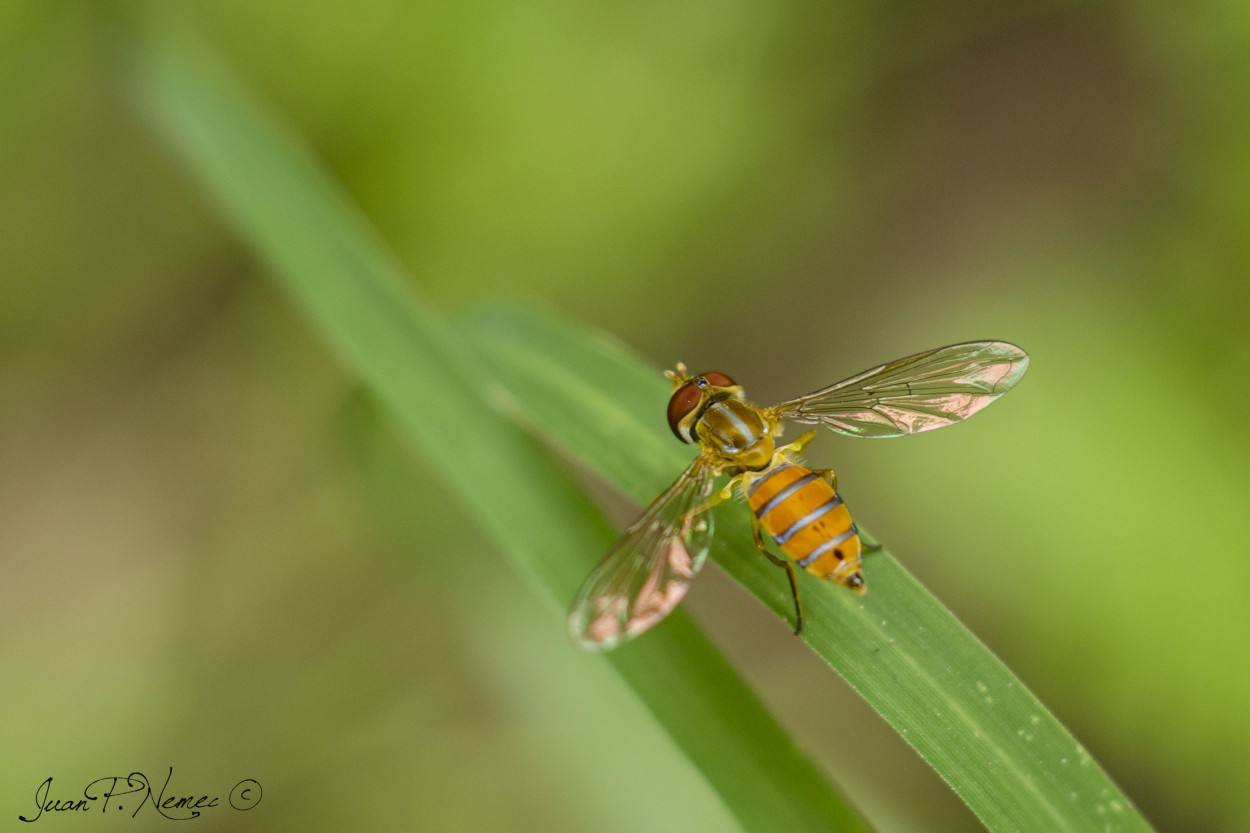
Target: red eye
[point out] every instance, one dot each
(684, 400)
(720, 380)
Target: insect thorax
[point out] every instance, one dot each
(738, 432)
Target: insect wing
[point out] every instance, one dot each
(649, 568)
(919, 393)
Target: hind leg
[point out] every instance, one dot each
(789, 568)
(829, 475)
(869, 544)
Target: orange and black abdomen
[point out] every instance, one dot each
(809, 521)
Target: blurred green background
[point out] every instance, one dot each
(215, 556)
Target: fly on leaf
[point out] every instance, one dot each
(650, 567)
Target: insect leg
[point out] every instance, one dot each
(799, 441)
(723, 495)
(829, 475)
(781, 562)
(869, 543)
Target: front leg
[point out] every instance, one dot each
(719, 497)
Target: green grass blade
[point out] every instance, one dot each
(966, 714)
(325, 255)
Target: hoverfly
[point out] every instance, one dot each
(649, 568)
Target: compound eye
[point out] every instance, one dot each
(684, 400)
(720, 380)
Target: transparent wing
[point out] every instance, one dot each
(919, 393)
(649, 568)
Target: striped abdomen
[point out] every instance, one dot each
(809, 521)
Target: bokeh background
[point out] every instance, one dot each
(212, 558)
